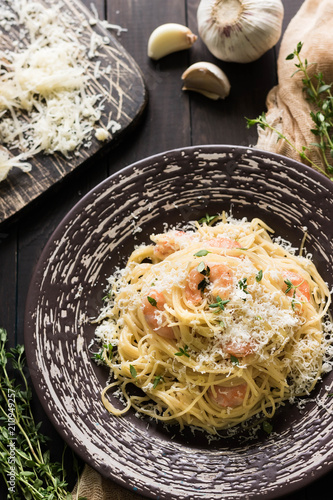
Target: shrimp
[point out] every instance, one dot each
(223, 243)
(192, 291)
(238, 348)
(228, 397)
(300, 286)
(167, 243)
(219, 275)
(152, 317)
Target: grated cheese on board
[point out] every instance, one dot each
(46, 104)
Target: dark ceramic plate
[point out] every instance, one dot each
(67, 289)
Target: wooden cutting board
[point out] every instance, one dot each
(125, 97)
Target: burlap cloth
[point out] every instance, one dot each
(288, 111)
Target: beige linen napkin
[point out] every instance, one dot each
(288, 110)
(93, 486)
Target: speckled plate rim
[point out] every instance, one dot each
(231, 162)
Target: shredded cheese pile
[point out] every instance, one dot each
(46, 104)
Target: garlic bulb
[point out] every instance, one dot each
(207, 79)
(168, 38)
(240, 30)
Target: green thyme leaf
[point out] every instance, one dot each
(259, 276)
(219, 304)
(133, 371)
(201, 268)
(267, 427)
(203, 284)
(152, 301)
(289, 286)
(157, 380)
(207, 219)
(242, 285)
(109, 350)
(201, 253)
(107, 296)
(234, 360)
(182, 352)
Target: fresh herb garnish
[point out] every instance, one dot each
(234, 360)
(98, 356)
(319, 94)
(207, 219)
(290, 287)
(219, 304)
(106, 350)
(201, 268)
(205, 271)
(157, 380)
(25, 462)
(152, 301)
(201, 253)
(267, 427)
(203, 284)
(182, 352)
(107, 296)
(133, 371)
(259, 276)
(242, 285)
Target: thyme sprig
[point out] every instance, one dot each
(318, 93)
(219, 304)
(291, 286)
(208, 219)
(183, 352)
(25, 462)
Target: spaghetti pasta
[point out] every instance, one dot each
(215, 324)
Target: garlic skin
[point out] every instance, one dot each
(207, 79)
(169, 38)
(240, 30)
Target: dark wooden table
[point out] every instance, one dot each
(172, 119)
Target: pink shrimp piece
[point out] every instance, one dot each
(167, 243)
(228, 397)
(239, 349)
(152, 317)
(192, 292)
(223, 243)
(221, 277)
(303, 288)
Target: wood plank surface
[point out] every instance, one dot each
(171, 119)
(122, 91)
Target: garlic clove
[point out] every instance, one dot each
(168, 38)
(240, 30)
(207, 79)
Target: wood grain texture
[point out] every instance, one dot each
(167, 122)
(125, 98)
